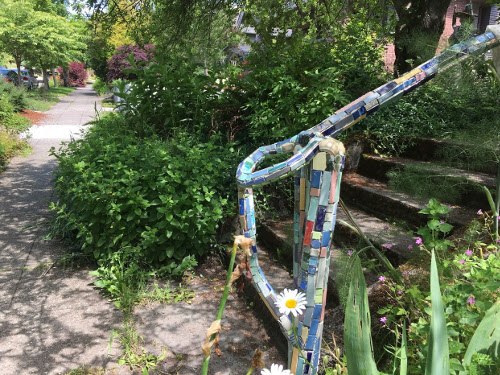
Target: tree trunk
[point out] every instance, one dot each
(19, 78)
(45, 80)
(419, 28)
(65, 74)
(54, 77)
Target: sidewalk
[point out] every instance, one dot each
(51, 319)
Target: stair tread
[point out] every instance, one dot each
(478, 177)
(458, 215)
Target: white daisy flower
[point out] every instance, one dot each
(276, 370)
(291, 301)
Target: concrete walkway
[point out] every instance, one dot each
(51, 319)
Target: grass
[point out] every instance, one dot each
(39, 100)
(108, 103)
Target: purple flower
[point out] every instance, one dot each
(383, 319)
(400, 292)
(418, 241)
(461, 261)
(381, 278)
(498, 241)
(388, 246)
(410, 247)
(405, 272)
(349, 252)
(441, 222)
(479, 212)
(471, 300)
(468, 252)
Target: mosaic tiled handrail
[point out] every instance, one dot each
(317, 188)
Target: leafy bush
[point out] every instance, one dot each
(77, 74)
(135, 203)
(174, 96)
(100, 86)
(120, 61)
(290, 87)
(11, 125)
(16, 95)
(465, 98)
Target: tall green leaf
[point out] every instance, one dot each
(404, 353)
(358, 342)
(486, 339)
(438, 359)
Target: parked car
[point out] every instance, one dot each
(7, 75)
(10, 75)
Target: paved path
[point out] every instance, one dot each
(51, 319)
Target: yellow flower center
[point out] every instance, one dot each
(291, 303)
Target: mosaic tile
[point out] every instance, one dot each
(319, 161)
(316, 235)
(302, 194)
(311, 339)
(320, 219)
(323, 252)
(320, 280)
(314, 192)
(313, 208)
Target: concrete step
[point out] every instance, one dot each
(471, 194)
(377, 199)
(427, 149)
(376, 167)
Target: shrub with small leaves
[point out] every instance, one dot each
(156, 201)
(119, 61)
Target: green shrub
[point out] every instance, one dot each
(287, 88)
(100, 86)
(174, 96)
(450, 106)
(16, 95)
(11, 126)
(156, 202)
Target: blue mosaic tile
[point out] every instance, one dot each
(317, 311)
(303, 285)
(316, 179)
(325, 240)
(355, 106)
(311, 339)
(242, 206)
(317, 348)
(386, 88)
(257, 155)
(254, 249)
(315, 244)
(311, 270)
(320, 219)
(260, 173)
(314, 327)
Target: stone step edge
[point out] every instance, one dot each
(352, 187)
(486, 179)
